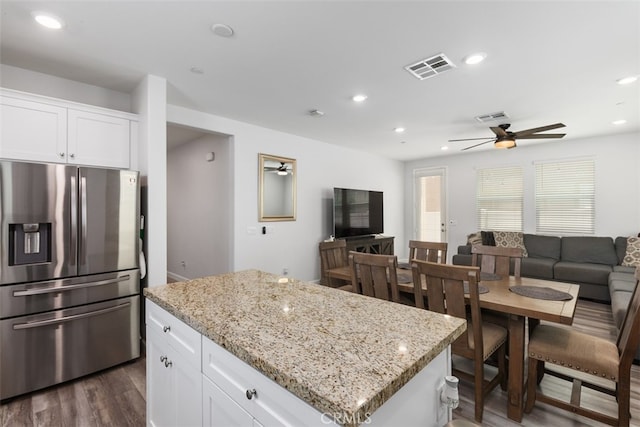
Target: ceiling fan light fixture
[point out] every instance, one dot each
(505, 142)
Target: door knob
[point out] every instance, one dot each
(251, 393)
(166, 329)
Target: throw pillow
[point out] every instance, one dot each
(510, 239)
(632, 255)
(487, 238)
(474, 239)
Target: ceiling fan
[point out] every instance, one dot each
(507, 139)
(280, 170)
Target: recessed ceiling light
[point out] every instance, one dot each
(222, 30)
(398, 130)
(619, 122)
(316, 113)
(627, 80)
(197, 70)
(474, 58)
(48, 20)
(359, 98)
(444, 148)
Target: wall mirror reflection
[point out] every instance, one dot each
(277, 188)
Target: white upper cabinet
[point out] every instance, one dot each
(44, 129)
(32, 131)
(98, 139)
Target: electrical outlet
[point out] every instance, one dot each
(183, 264)
(285, 271)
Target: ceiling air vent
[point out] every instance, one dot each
(493, 117)
(430, 67)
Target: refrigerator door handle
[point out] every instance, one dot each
(29, 292)
(82, 250)
(31, 325)
(74, 219)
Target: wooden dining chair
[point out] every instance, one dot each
(428, 251)
(497, 260)
(376, 276)
(333, 255)
(446, 295)
(585, 353)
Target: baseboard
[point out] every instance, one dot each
(176, 277)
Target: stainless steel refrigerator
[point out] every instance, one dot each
(69, 273)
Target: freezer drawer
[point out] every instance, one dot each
(45, 349)
(38, 297)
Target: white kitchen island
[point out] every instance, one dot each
(250, 348)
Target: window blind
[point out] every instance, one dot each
(565, 197)
(499, 199)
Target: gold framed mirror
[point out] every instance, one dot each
(276, 188)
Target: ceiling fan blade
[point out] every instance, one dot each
(482, 143)
(466, 139)
(536, 130)
(541, 136)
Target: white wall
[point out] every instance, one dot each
(320, 167)
(617, 183)
(56, 87)
(198, 198)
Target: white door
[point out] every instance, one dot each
(430, 205)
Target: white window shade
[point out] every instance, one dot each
(499, 199)
(565, 197)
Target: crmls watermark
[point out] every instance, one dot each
(343, 418)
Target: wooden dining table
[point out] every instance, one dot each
(518, 308)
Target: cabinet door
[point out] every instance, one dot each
(174, 386)
(98, 139)
(219, 410)
(160, 409)
(32, 131)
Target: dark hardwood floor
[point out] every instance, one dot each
(116, 397)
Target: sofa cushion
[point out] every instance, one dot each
(542, 246)
(632, 254)
(510, 239)
(587, 249)
(618, 275)
(621, 248)
(582, 272)
(541, 268)
(624, 269)
(621, 286)
(619, 306)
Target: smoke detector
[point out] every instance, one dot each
(430, 67)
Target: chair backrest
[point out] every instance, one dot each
(629, 336)
(375, 275)
(428, 251)
(446, 295)
(333, 254)
(496, 259)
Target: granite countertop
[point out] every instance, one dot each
(338, 351)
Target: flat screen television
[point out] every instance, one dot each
(357, 212)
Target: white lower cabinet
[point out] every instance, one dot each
(219, 410)
(174, 377)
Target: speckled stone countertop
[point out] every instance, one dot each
(340, 352)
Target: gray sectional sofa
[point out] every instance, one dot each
(593, 262)
(585, 260)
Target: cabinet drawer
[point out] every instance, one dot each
(181, 337)
(272, 405)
